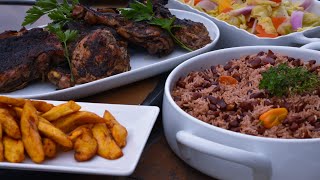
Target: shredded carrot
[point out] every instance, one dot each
(196, 2)
(224, 6)
(277, 21)
(267, 35)
(277, 1)
(262, 32)
(227, 10)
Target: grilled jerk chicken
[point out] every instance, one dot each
(153, 38)
(26, 56)
(98, 52)
(192, 34)
(98, 55)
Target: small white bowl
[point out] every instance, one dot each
(232, 36)
(226, 154)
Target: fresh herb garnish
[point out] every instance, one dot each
(57, 12)
(60, 14)
(144, 12)
(64, 37)
(283, 80)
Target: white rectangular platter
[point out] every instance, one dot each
(142, 64)
(138, 120)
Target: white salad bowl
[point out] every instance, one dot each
(232, 36)
(225, 154)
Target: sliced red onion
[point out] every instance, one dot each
(296, 20)
(244, 11)
(207, 5)
(254, 26)
(305, 4)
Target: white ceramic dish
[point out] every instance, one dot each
(142, 66)
(226, 154)
(138, 120)
(232, 36)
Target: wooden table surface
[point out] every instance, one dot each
(157, 160)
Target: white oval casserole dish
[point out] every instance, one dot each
(226, 154)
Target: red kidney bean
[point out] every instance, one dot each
(222, 104)
(261, 129)
(297, 62)
(181, 83)
(237, 76)
(213, 100)
(226, 117)
(312, 62)
(271, 55)
(261, 53)
(236, 129)
(213, 69)
(246, 106)
(291, 59)
(317, 125)
(227, 66)
(213, 107)
(312, 119)
(257, 95)
(268, 60)
(214, 113)
(255, 63)
(196, 95)
(234, 123)
(267, 102)
(294, 126)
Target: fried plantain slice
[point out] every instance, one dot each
(107, 147)
(30, 134)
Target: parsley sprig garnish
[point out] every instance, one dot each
(60, 14)
(283, 80)
(65, 37)
(144, 12)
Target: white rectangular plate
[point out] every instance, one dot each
(142, 64)
(138, 120)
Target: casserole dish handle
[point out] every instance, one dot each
(300, 38)
(314, 46)
(260, 165)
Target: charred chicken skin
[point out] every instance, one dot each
(98, 52)
(192, 34)
(26, 56)
(154, 39)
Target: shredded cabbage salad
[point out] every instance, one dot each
(264, 18)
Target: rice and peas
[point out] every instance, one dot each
(228, 96)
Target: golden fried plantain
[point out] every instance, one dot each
(73, 135)
(49, 147)
(12, 101)
(49, 130)
(107, 147)
(1, 145)
(61, 110)
(119, 132)
(42, 106)
(13, 149)
(85, 146)
(71, 121)
(10, 126)
(30, 135)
